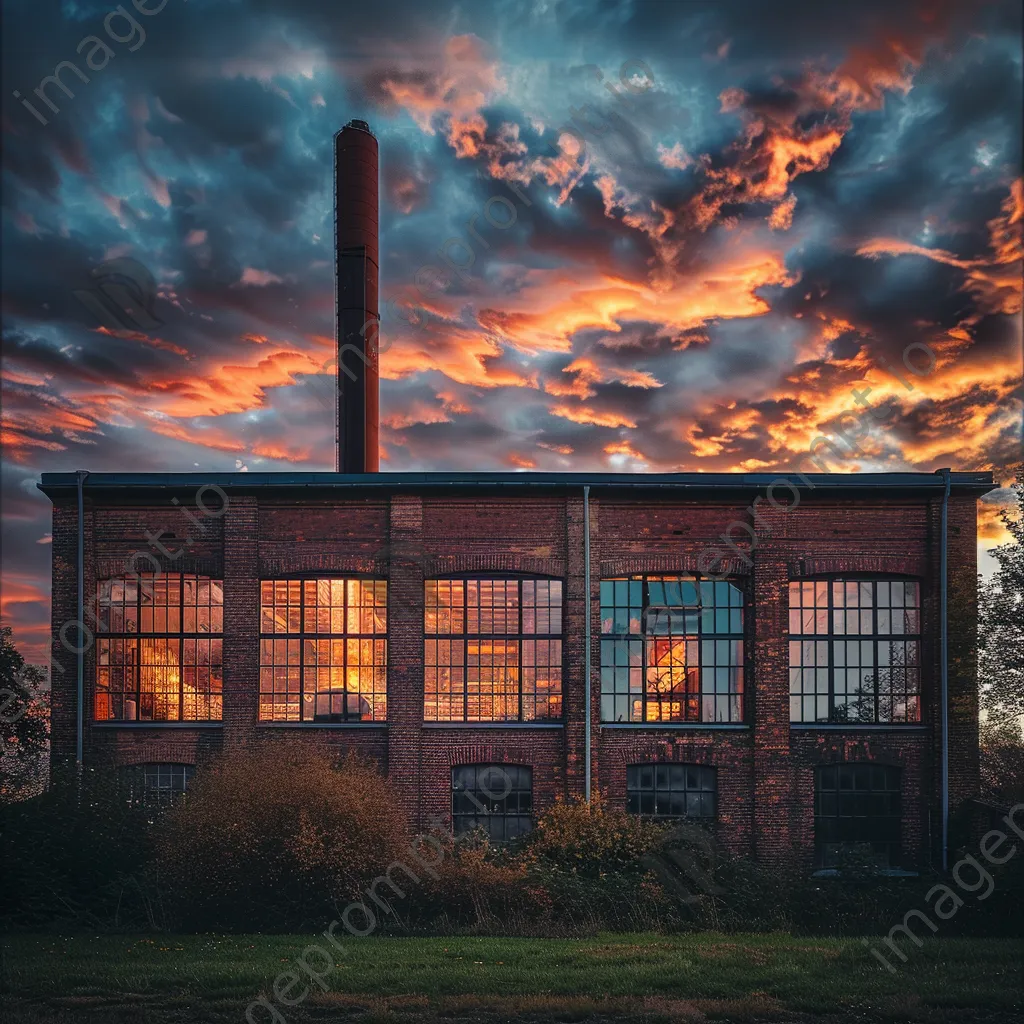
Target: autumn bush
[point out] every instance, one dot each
(275, 837)
(590, 839)
(474, 887)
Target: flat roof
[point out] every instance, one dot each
(326, 484)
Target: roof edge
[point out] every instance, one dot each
(963, 482)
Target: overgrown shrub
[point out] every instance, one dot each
(590, 840)
(277, 837)
(476, 888)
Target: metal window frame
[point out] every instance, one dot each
(705, 770)
(142, 793)
(518, 637)
(894, 777)
(181, 636)
(303, 635)
(643, 636)
(875, 637)
(482, 809)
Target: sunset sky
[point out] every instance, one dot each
(773, 202)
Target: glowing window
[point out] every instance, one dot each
(493, 650)
(323, 650)
(159, 648)
(671, 650)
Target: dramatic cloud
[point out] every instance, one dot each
(726, 231)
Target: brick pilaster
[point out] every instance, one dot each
(405, 650)
(573, 681)
(962, 598)
(241, 620)
(773, 772)
(63, 608)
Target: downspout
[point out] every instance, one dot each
(586, 641)
(944, 665)
(80, 713)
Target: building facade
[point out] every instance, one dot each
(765, 653)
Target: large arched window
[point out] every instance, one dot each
(492, 650)
(159, 648)
(854, 651)
(671, 650)
(323, 650)
(857, 811)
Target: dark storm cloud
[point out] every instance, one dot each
(803, 191)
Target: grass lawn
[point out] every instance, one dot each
(157, 979)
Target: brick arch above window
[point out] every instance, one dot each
(143, 561)
(296, 562)
(481, 563)
(526, 753)
(675, 563)
(839, 565)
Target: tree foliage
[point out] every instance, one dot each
(1001, 622)
(24, 723)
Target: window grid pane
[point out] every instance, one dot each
(671, 650)
(157, 785)
(159, 652)
(331, 663)
(672, 791)
(492, 650)
(495, 797)
(857, 810)
(866, 666)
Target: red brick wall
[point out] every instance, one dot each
(765, 770)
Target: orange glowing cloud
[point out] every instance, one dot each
(586, 372)
(453, 85)
(581, 414)
(726, 289)
(463, 355)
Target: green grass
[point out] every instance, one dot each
(651, 977)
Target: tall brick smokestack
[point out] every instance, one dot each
(355, 206)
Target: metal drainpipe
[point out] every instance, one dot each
(586, 642)
(80, 724)
(944, 666)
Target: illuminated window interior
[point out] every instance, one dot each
(671, 650)
(854, 651)
(159, 648)
(493, 650)
(323, 650)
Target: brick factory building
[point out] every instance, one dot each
(785, 686)
(763, 654)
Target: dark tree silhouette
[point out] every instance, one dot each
(24, 724)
